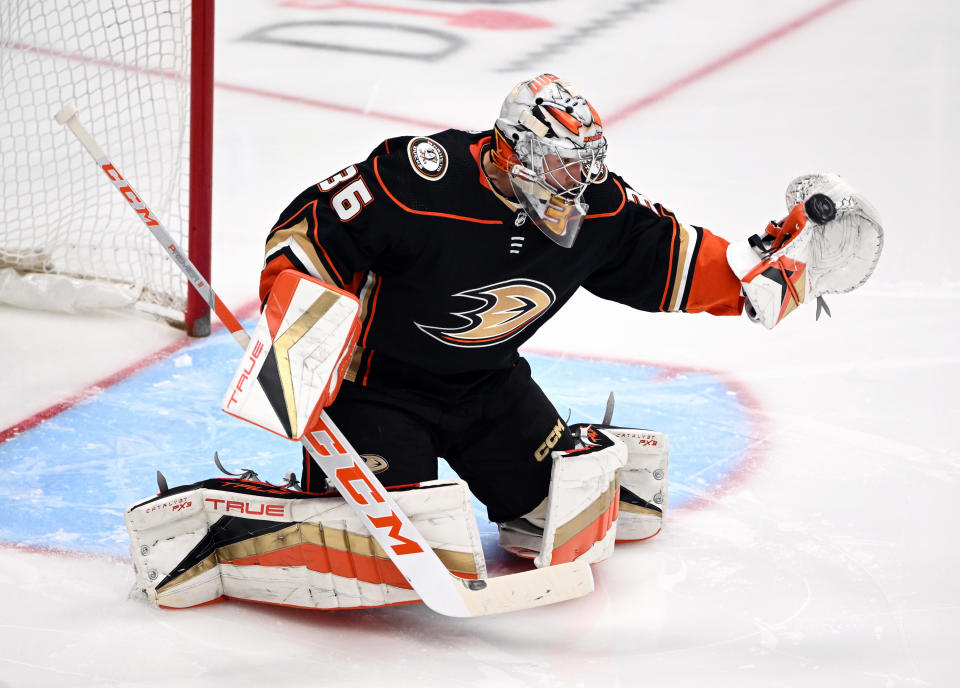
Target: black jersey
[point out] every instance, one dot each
(453, 278)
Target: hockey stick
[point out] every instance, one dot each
(408, 550)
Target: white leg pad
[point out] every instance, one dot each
(643, 483)
(581, 509)
(245, 540)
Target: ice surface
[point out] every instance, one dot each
(829, 561)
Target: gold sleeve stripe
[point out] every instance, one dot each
(365, 296)
(296, 239)
(354, 368)
(682, 272)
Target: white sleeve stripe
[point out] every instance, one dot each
(688, 248)
(305, 254)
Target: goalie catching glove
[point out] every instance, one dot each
(297, 356)
(829, 242)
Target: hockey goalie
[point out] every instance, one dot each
(396, 294)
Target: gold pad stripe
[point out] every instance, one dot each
(629, 508)
(322, 536)
(288, 339)
(571, 528)
(191, 573)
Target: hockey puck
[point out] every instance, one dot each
(820, 208)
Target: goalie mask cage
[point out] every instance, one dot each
(141, 74)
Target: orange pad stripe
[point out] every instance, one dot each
(582, 541)
(279, 301)
(327, 560)
(369, 569)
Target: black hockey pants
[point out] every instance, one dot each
(498, 439)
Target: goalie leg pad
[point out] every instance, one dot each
(642, 497)
(643, 483)
(578, 519)
(253, 541)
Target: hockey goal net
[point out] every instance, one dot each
(140, 73)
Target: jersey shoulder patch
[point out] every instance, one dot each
(428, 158)
(438, 175)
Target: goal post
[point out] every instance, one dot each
(197, 315)
(143, 71)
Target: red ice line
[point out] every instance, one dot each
(623, 112)
(716, 65)
(97, 387)
(497, 20)
(327, 105)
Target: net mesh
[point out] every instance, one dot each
(125, 64)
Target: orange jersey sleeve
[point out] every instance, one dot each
(713, 286)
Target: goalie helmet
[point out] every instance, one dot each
(550, 141)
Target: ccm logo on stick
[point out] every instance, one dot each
(392, 523)
(324, 440)
(130, 194)
(354, 474)
(246, 507)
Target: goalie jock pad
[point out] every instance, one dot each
(228, 538)
(297, 356)
(612, 489)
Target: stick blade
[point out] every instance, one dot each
(527, 589)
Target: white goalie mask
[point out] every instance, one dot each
(550, 141)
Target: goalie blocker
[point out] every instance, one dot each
(297, 356)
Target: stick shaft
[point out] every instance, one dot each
(68, 116)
